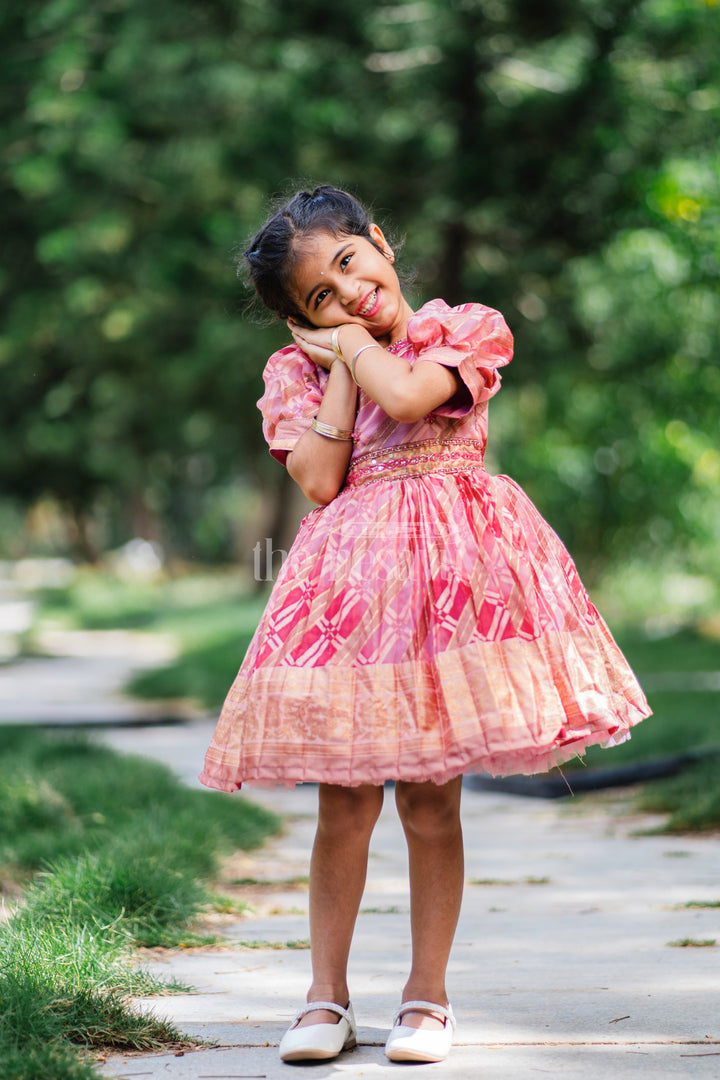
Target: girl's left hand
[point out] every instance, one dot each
(314, 343)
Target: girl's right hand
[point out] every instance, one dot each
(315, 343)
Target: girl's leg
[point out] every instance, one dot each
(346, 818)
(430, 814)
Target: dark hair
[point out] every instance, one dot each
(272, 255)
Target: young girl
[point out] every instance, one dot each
(427, 622)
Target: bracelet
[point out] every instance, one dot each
(334, 342)
(354, 359)
(331, 432)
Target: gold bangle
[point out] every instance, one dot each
(331, 432)
(334, 345)
(354, 359)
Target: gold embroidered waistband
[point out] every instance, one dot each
(416, 459)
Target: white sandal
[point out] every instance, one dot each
(318, 1042)
(421, 1044)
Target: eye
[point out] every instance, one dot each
(345, 260)
(320, 297)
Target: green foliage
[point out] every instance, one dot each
(558, 162)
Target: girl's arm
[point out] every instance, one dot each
(404, 392)
(318, 464)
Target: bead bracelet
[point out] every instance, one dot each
(331, 432)
(357, 354)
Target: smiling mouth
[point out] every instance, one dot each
(368, 304)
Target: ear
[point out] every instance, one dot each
(378, 237)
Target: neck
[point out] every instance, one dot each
(399, 331)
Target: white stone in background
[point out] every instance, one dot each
(138, 560)
(16, 616)
(133, 647)
(39, 573)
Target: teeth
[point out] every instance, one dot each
(369, 305)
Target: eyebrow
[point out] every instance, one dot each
(315, 288)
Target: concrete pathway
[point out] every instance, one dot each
(563, 962)
(81, 680)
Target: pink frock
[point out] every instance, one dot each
(427, 622)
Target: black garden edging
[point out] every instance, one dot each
(556, 784)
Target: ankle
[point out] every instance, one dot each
(434, 992)
(335, 992)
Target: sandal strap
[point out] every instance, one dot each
(425, 1006)
(331, 1006)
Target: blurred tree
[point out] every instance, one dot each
(558, 161)
(563, 166)
(134, 161)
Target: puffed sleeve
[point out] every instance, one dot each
(293, 391)
(472, 338)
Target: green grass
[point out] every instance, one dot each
(64, 983)
(681, 721)
(112, 853)
(295, 943)
(129, 885)
(691, 799)
(202, 673)
(686, 650)
(192, 606)
(56, 1061)
(121, 799)
(507, 881)
(693, 943)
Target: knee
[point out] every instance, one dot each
(429, 811)
(349, 811)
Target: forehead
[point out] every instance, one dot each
(312, 257)
(313, 249)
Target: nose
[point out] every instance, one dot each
(349, 292)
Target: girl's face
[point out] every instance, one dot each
(345, 279)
